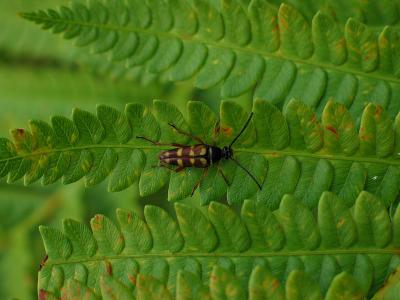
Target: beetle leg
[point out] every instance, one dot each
(187, 134)
(204, 174)
(158, 143)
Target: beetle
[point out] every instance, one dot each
(201, 155)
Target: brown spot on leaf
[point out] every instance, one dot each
(130, 217)
(97, 222)
(43, 262)
(21, 131)
(366, 58)
(378, 111)
(132, 279)
(275, 284)
(275, 154)
(340, 223)
(283, 23)
(341, 43)
(43, 295)
(227, 131)
(109, 268)
(313, 118)
(332, 129)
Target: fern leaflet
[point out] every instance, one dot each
(290, 153)
(243, 46)
(222, 249)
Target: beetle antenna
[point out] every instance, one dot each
(241, 131)
(248, 172)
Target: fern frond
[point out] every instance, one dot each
(47, 91)
(221, 249)
(290, 153)
(223, 285)
(276, 51)
(375, 13)
(19, 39)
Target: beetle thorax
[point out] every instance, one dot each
(227, 152)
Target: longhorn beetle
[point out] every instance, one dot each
(198, 156)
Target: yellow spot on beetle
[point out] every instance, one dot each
(180, 162)
(167, 160)
(203, 161)
(179, 152)
(192, 161)
(191, 153)
(203, 151)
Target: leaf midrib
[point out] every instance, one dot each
(276, 55)
(271, 154)
(166, 255)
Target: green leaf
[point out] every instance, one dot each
(76, 290)
(229, 227)
(55, 242)
(281, 179)
(202, 121)
(138, 235)
(81, 238)
(372, 219)
(193, 225)
(286, 253)
(335, 222)
(233, 117)
(295, 33)
(290, 153)
(151, 288)
(263, 285)
(112, 289)
(307, 50)
(223, 285)
(264, 229)
(190, 287)
(304, 127)
(243, 186)
(298, 224)
(109, 238)
(299, 286)
(164, 230)
(328, 35)
(271, 126)
(340, 133)
(376, 133)
(359, 37)
(344, 287)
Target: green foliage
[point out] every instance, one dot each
(377, 13)
(290, 153)
(324, 142)
(341, 253)
(26, 94)
(21, 40)
(275, 51)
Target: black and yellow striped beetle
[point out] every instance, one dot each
(200, 155)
